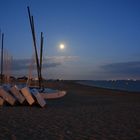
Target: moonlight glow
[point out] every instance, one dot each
(62, 47)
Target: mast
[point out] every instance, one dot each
(35, 46)
(41, 51)
(1, 51)
(2, 40)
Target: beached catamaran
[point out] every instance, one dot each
(44, 92)
(12, 93)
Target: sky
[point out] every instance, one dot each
(101, 37)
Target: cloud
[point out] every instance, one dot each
(20, 64)
(61, 67)
(61, 59)
(49, 62)
(123, 68)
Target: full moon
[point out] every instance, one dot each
(62, 47)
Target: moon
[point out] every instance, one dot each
(62, 46)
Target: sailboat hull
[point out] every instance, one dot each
(55, 95)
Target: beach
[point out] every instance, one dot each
(85, 113)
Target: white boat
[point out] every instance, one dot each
(48, 93)
(55, 95)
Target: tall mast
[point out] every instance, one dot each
(1, 55)
(2, 39)
(41, 51)
(35, 46)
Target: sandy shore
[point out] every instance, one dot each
(85, 113)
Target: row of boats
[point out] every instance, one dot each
(14, 95)
(26, 94)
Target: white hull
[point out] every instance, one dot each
(28, 96)
(1, 101)
(40, 100)
(7, 97)
(31, 95)
(54, 95)
(14, 90)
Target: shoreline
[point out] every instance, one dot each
(125, 86)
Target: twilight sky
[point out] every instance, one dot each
(101, 37)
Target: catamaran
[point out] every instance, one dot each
(45, 92)
(26, 93)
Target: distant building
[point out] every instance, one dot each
(22, 79)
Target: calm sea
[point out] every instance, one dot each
(126, 85)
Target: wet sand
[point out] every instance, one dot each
(85, 113)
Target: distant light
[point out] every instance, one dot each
(62, 46)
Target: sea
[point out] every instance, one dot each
(125, 85)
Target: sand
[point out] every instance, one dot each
(85, 113)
